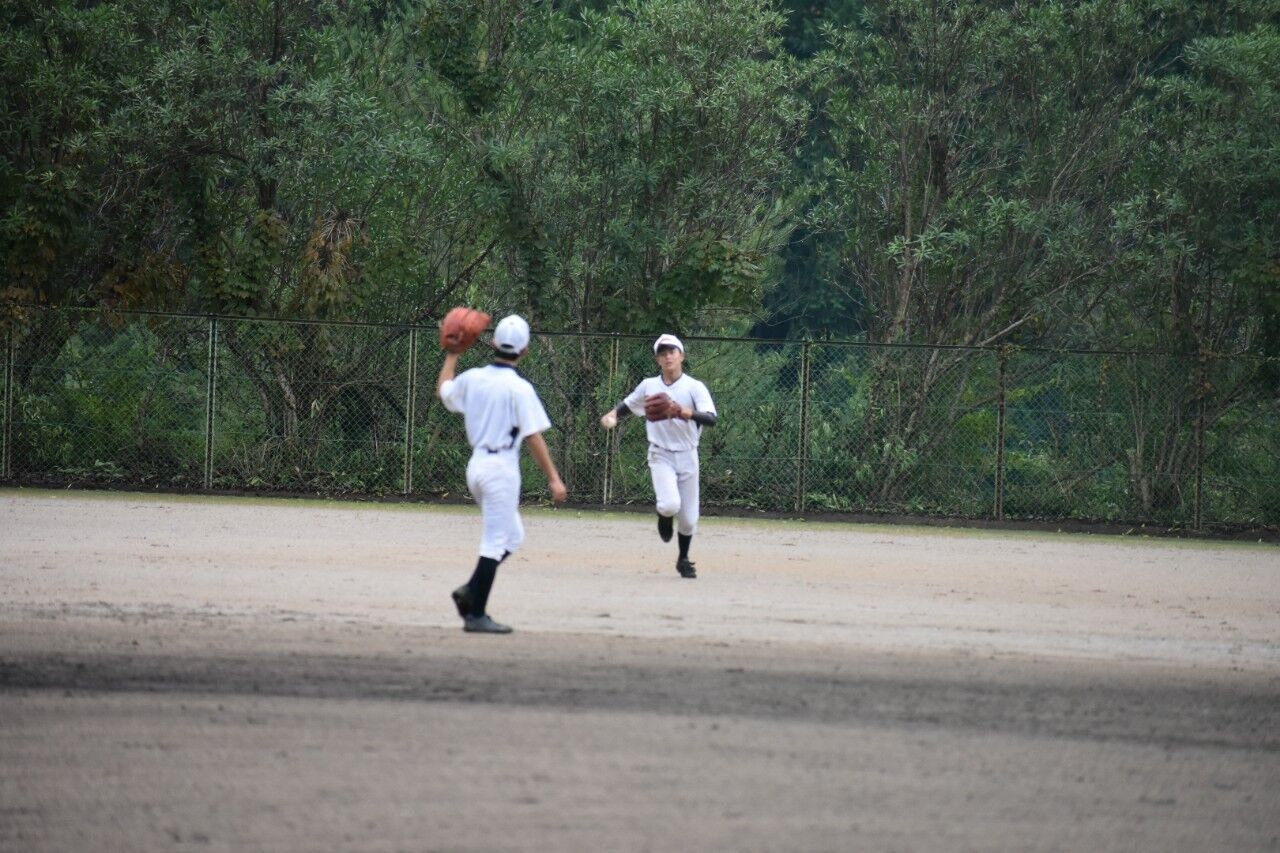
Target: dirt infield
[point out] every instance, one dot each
(240, 674)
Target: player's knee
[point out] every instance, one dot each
(668, 508)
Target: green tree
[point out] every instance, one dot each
(652, 164)
(260, 157)
(645, 160)
(975, 149)
(375, 161)
(57, 65)
(1201, 230)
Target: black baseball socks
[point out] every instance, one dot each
(482, 582)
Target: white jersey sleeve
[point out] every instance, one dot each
(635, 400)
(531, 415)
(702, 401)
(453, 393)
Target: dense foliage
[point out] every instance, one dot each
(1093, 174)
(930, 171)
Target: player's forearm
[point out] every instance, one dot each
(705, 419)
(447, 370)
(541, 455)
(610, 419)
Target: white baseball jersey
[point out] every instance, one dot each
(675, 433)
(501, 409)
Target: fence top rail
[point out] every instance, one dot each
(1010, 349)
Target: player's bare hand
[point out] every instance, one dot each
(558, 491)
(610, 420)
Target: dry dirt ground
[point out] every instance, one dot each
(229, 674)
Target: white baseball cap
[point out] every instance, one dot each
(667, 341)
(511, 335)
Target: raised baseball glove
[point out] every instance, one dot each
(461, 327)
(660, 407)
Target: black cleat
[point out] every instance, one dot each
(664, 527)
(462, 600)
(685, 568)
(484, 625)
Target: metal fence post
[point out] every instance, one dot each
(211, 390)
(1201, 390)
(998, 509)
(612, 436)
(411, 395)
(802, 450)
(6, 455)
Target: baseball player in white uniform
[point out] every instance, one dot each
(501, 409)
(673, 443)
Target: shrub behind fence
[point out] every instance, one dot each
(200, 403)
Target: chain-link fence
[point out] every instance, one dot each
(200, 403)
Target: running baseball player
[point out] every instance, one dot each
(501, 410)
(676, 407)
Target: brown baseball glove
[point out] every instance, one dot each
(461, 327)
(660, 407)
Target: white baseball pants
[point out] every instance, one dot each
(675, 485)
(494, 482)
